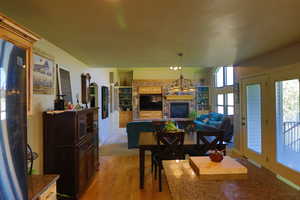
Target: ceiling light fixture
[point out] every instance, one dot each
(181, 84)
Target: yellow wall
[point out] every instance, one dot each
(274, 60)
(45, 102)
(161, 73)
(165, 73)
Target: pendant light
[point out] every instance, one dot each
(182, 84)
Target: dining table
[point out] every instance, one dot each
(148, 142)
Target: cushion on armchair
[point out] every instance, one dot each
(227, 126)
(214, 123)
(202, 117)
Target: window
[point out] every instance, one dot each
(220, 103)
(225, 103)
(224, 80)
(220, 77)
(230, 104)
(224, 76)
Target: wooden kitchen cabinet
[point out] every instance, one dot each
(150, 90)
(124, 118)
(151, 115)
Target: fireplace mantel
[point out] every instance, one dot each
(179, 97)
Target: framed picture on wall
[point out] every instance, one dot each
(64, 83)
(111, 103)
(105, 101)
(43, 73)
(116, 98)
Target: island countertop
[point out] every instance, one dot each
(260, 184)
(37, 184)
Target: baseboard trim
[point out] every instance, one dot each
(254, 163)
(288, 182)
(236, 153)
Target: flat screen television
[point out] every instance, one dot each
(151, 102)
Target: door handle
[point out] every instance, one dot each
(243, 121)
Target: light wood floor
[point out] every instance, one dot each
(118, 179)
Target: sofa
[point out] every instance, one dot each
(215, 121)
(133, 130)
(205, 122)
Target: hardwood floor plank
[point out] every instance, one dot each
(118, 179)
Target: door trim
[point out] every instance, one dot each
(259, 158)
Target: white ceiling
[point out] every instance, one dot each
(149, 33)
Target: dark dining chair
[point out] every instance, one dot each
(208, 140)
(158, 127)
(170, 147)
(211, 140)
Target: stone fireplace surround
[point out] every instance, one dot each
(166, 102)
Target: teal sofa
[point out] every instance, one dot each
(215, 121)
(205, 121)
(133, 130)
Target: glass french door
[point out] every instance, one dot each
(271, 122)
(288, 123)
(253, 123)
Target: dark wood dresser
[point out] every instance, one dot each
(71, 149)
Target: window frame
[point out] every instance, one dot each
(225, 103)
(220, 105)
(225, 74)
(224, 90)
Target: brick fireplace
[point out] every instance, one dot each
(186, 100)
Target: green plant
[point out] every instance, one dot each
(193, 114)
(170, 126)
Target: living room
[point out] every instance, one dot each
(98, 86)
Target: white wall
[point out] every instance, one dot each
(41, 103)
(110, 124)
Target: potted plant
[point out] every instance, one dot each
(193, 115)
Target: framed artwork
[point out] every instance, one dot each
(116, 98)
(64, 84)
(43, 74)
(111, 98)
(105, 101)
